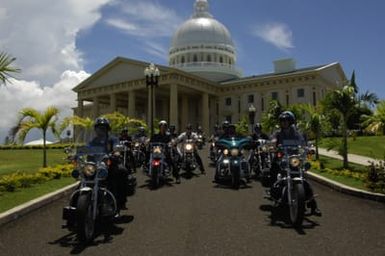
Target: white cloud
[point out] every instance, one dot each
(144, 19)
(278, 34)
(41, 35)
(20, 94)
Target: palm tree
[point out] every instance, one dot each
(345, 101)
(6, 69)
(85, 123)
(376, 122)
(313, 122)
(270, 117)
(31, 118)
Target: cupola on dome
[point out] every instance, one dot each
(204, 46)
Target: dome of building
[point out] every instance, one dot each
(202, 45)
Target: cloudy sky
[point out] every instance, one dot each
(60, 43)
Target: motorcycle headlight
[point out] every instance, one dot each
(225, 151)
(213, 144)
(234, 152)
(295, 162)
(188, 147)
(89, 170)
(136, 144)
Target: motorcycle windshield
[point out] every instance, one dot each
(234, 142)
(91, 153)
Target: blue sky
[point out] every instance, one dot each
(60, 43)
(312, 32)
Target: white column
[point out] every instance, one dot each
(205, 112)
(185, 111)
(80, 110)
(113, 106)
(131, 104)
(174, 105)
(95, 107)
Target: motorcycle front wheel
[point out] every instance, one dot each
(155, 178)
(86, 224)
(236, 179)
(297, 205)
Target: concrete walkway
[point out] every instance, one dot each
(352, 158)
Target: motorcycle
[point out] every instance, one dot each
(92, 202)
(188, 161)
(200, 141)
(290, 187)
(232, 162)
(138, 150)
(260, 158)
(122, 156)
(213, 153)
(158, 169)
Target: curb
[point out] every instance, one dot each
(21, 210)
(346, 189)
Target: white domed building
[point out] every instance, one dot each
(203, 46)
(201, 84)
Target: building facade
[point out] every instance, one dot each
(202, 84)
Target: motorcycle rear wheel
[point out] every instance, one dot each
(297, 206)
(86, 224)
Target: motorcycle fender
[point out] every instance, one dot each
(297, 180)
(85, 189)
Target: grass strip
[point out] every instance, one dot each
(9, 200)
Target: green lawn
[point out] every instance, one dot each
(9, 200)
(336, 164)
(28, 160)
(371, 146)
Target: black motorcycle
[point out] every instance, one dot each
(91, 203)
(138, 151)
(158, 168)
(187, 159)
(289, 190)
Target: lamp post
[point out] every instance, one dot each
(252, 110)
(152, 78)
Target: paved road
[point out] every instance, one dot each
(199, 218)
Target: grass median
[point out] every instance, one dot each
(339, 174)
(29, 161)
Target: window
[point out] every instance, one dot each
(228, 101)
(274, 95)
(195, 59)
(208, 58)
(182, 59)
(250, 98)
(221, 59)
(300, 93)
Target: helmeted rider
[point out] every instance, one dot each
(188, 134)
(118, 175)
(288, 131)
(127, 140)
(140, 134)
(164, 137)
(256, 136)
(228, 130)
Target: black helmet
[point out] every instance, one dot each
(101, 121)
(216, 127)
(162, 123)
(287, 115)
(257, 127)
(125, 129)
(172, 127)
(199, 128)
(189, 126)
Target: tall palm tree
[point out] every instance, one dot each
(313, 122)
(31, 118)
(6, 68)
(376, 122)
(85, 123)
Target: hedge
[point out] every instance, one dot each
(14, 181)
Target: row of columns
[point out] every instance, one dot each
(173, 107)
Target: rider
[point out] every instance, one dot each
(188, 134)
(172, 131)
(256, 136)
(140, 134)
(127, 140)
(118, 175)
(289, 131)
(164, 137)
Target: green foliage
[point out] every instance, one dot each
(50, 146)
(270, 117)
(119, 121)
(375, 179)
(17, 180)
(375, 123)
(242, 127)
(6, 68)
